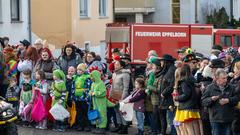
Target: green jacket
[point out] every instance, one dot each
(80, 85)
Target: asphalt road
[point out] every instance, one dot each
(32, 131)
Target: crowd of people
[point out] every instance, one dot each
(189, 95)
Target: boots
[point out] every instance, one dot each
(124, 130)
(116, 129)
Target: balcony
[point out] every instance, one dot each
(134, 6)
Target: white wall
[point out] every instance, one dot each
(15, 31)
(187, 11)
(162, 12)
(236, 9)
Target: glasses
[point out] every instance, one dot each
(194, 62)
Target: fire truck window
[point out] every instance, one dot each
(226, 41)
(237, 40)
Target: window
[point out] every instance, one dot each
(237, 40)
(102, 7)
(226, 41)
(15, 10)
(84, 7)
(176, 11)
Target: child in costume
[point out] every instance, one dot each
(12, 94)
(27, 86)
(59, 95)
(82, 83)
(99, 100)
(42, 87)
(70, 85)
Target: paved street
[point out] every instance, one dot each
(32, 131)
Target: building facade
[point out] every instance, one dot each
(14, 20)
(135, 11)
(79, 21)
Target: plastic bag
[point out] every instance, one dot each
(38, 112)
(59, 112)
(73, 114)
(21, 107)
(27, 112)
(126, 109)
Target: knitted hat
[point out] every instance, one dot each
(82, 67)
(231, 51)
(59, 74)
(152, 59)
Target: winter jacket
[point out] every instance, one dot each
(24, 65)
(155, 88)
(48, 67)
(188, 97)
(137, 97)
(217, 112)
(166, 88)
(121, 80)
(65, 63)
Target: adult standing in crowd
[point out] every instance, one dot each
(46, 64)
(235, 81)
(220, 97)
(92, 62)
(22, 48)
(188, 110)
(28, 63)
(120, 84)
(166, 89)
(153, 90)
(39, 46)
(69, 58)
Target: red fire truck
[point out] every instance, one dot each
(138, 39)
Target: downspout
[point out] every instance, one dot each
(231, 10)
(29, 22)
(114, 11)
(196, 11)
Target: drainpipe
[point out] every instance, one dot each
(231, 10)
(196, 11)
(29, 22)
(114, 11)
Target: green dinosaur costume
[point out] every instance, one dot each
(80, 85)
(99, 98)
(59, 91)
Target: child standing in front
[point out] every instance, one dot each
(82, 86)
(42, 87)
(137, 97)
(59, 95)
(12, 95)
(27, 86)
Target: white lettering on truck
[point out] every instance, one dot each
(160, 34)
